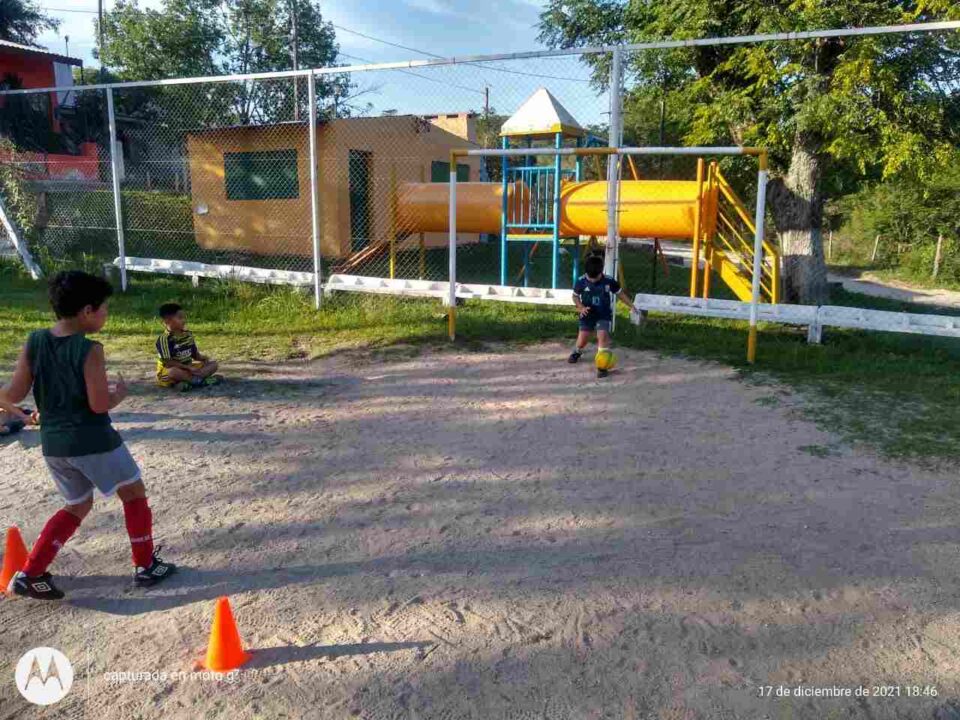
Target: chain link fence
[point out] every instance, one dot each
(217, 172)
(191, 174)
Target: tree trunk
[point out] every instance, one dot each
(797, 207)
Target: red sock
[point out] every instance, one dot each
(59, 528)
(139, 528)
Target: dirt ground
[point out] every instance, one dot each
(497, 534)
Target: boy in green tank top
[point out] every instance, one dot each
(67, 372)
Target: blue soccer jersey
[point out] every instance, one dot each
(596, 295)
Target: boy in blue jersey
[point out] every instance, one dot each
(593, 295)
(179, 363)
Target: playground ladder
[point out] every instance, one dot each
(728, 239)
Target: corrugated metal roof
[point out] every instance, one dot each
(40, 51)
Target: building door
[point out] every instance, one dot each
(361, 215)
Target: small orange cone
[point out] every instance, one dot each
(225, 650)
(14, 557)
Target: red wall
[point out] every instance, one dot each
(40, 166)
(34, 71)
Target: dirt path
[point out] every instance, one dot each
(892, 290)
(498, 535)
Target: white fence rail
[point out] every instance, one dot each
(811, 316)
(815, 317)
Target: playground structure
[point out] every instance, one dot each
(550, 204)
(247, 184)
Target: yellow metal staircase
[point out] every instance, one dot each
(727, 241)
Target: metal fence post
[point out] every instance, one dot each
(314, 197)
(452, 295)
(115, 173)
(757, 257)
(613, 174)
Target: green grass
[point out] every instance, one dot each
(900, 394)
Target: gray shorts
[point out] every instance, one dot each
(76, 477)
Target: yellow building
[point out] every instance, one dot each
(250, 186)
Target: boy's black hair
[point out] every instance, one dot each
(168, 309)
(73, 290)
(593, 265)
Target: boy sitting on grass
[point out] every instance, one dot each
(67, 372)
(13, 419)
(592, 295)
(179, 363)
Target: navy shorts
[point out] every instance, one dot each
(591, 322)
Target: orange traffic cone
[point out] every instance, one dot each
(225, 650)
(14, 557)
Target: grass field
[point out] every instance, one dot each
(849, 385)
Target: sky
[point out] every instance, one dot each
(440, 27)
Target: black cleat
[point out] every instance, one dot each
(574, 357)
(40, 587)
(158, 571)
(602, 373)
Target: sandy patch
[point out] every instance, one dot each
(499, 535)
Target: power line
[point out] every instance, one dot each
(416, 75)
(441, 57)
(69, 10)
(385, 42)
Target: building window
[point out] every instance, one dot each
(440, 172)
(268, 175)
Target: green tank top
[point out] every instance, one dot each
(68, 427)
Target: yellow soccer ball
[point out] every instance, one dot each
(606, 360)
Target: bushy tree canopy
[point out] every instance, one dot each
(21, 21)
(871, 105)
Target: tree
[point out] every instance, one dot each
(822, 107)
(489, 124)
(21, 21)
(190, 38)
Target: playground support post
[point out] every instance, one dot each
(452, 296)
(757, 257)
(115, 181)
(393, 220)
(698, 214)
(504, 165)
(555, 248)
(314, 196)
(422, 240)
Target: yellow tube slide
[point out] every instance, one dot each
(648, 208)
(425, 207)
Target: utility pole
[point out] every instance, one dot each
(486, 100)
(294, 57)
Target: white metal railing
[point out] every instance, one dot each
(815, 317)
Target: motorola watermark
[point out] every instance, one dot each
(44, 676)
(122, 677)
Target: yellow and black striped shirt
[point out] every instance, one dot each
(180, 347)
